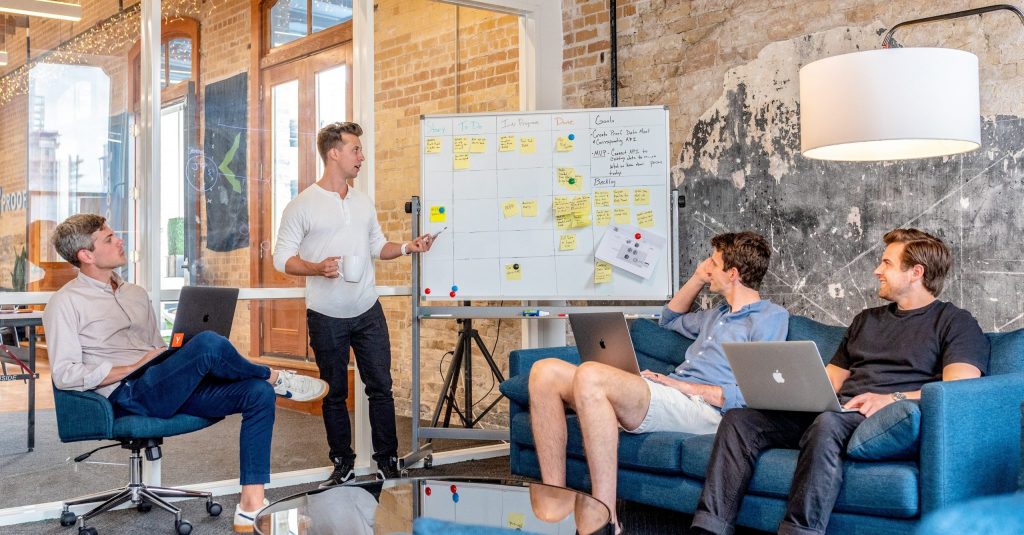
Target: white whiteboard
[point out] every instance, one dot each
(496, 181)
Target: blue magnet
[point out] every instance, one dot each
(441, 210)
(455, 497)
(455, 288)
(572, 137)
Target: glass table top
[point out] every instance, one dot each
(392, 506)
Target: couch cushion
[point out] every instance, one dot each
(1007, 353)
(892, 433)
(827, 337)
(517, 389)
(881, 489)
(657, 349)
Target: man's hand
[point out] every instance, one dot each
(328, 267)
(700, 274)
(868, 403)
(663, 379)
(421, 244)
(150, 355)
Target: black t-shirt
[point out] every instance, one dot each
(890, 350)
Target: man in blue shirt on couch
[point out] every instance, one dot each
(692, 399)
(888, 353)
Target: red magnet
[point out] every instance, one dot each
(455, 489)
(637, 235)
(427, 492)
(451, 294)
(427, 291)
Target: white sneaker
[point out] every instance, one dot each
(244, 520)
(299, 387)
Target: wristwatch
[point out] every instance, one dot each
(898, 396)
(405, 249)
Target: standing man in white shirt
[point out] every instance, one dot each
(328, 234)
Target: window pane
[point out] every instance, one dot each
(172, 202)
(287, 21)
(285, 146)
(327, 13)
(179, 59)
(331, 94)
(163, 65)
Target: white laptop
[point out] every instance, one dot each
(604, 337)
(782, 376)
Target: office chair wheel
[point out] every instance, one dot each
(183, 527)
(214, 508)
(144, 507)
(87, 531)
(68, 519)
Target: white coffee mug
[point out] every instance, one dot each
(352, 267)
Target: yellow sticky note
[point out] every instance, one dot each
(460, 145)
(641, 196)
(580, 221)
(621, 196)
(563, 222)
(602, 198)
(529, 208)
(513, 272)
(478, 144)
(568, 179)
(567, 242)
(645, 219)
(580, 204)
(433, 145)
(562, 205)
(604, 217)
(507, 143)
(510, 208)
(461, 161)
(602, 272)
(527, 144)
(437, 214)
(622, 216)
(563, 144)
(516, 521)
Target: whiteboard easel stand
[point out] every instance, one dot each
(425, 452)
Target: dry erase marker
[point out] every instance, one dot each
(438, 233)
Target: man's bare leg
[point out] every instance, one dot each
(605, 398)
(550, 392)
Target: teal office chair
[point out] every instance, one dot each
(90, 416)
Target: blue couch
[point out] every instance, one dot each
(970, 443)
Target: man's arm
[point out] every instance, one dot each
(870, 403)
(685, 296)
(327, 267)
(118, 373)
(837, 376)
(711, 393)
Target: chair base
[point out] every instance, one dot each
(138, 494)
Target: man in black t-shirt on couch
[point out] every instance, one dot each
(888, 353)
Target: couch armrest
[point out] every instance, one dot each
(521, 360)
(970, 438)
(82, 415)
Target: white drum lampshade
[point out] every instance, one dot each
(890, 104)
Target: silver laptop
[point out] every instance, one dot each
(604, 337)
(783, 376)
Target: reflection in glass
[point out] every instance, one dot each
(288, 22)
(327, 13)
(285, 146)
(331, 94)
(179, 60)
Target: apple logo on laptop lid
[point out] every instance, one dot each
(602, 344)
(778, 377)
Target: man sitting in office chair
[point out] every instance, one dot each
(100, 329)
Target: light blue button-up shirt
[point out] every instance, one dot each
(705, 362)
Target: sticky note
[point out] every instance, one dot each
(562, 205)
(507, 143)
(510, 208)
(604, 217)
(433, 145)
(602, 272)
(645, 219)
(529, 208)
(580, 221)
(513, 272)
(563, 144)
(567, 242)
(437, 214)
(527, 144)
(622, 216)
(580, 204)
(516, 521)
(460, 145)
(461, 161)
(602, 198)
(478, 144)
(641, 196)
(563, 222)
(621, 196)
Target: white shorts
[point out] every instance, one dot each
(672, 410)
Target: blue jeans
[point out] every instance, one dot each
(367, 335)
(744, 434)
(207, 377)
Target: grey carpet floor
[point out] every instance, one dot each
(207, 455)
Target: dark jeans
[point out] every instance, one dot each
(208, 378)
(745, 433)
(367, 335)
